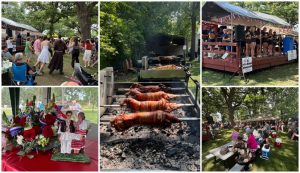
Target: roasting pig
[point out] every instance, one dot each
(156, 118)
(150, 88)
(151, 96)
(143, 106)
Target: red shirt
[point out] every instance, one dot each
(88, 46)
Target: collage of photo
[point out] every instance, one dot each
(189, 86)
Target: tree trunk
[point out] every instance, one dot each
(231, 115)
(83, 13)
(194, 20)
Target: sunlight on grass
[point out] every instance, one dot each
(285, 75)
(284, 159)
(55, 78)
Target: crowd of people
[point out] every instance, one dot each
(256, 43)
(253, 139)
(51, 51)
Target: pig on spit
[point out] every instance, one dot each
(151, 96)
(156, 118)
(150, 88)
(143, 106)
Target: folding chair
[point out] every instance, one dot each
(20, 75)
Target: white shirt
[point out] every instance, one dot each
(9, 44)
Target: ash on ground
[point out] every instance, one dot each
(171, 148)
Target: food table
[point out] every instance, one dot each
(6, 76)
(42, 162)
(217, 154)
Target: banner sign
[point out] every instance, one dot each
(292, 54)
(247, 64)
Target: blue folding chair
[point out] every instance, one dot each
(20, 75)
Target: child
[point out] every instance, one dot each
(235, 134)
(88, 46)
(67, 134)
(265, 152)
(81, 128)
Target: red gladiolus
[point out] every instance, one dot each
(48, 132)
(29, 134)
(23, 121)
(30, 103)
(17, 120)
(49, 119)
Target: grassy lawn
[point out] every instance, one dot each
(285, 75)
(90, 114)
(55, 78)
(284, 159)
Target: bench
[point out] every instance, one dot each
(237, 168)
(209, 156)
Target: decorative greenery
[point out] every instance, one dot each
(82, 158)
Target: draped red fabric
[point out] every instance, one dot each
(43, 162)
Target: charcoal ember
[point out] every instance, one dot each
(176, 147)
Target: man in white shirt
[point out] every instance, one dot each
(9, 44)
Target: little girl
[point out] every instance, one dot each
(67, 134)
(81, 128)
(88, 46)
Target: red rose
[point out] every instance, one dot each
(30, 103)
(47, 131)
(23, 121)
(17, 120)
(37, 129)
(29, 134)
(49, 119)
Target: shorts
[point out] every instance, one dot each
(87, 55)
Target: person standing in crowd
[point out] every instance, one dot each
(248, 41)
(28, 49)
(37, 46)
(9, 44)
(5, 54)
(88, 46)
(57, 62)
(265, 44)
(44, 56)
(75, 51)
(258, 38)
(270, 43)
(253, 41)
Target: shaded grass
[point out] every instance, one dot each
(285, 75)
(55, 79)
(284, 159)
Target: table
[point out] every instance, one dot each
(43, 162)
(6, 72)
(217, 154)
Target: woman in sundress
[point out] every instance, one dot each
(44, 56)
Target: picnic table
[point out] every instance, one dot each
(216, 152)
(6, 72)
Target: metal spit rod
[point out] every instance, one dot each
(119, 106)
(181, 119)
(123, 96)
(127, 89)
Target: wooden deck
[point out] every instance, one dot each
(233, 62)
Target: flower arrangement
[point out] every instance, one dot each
(33, 130)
